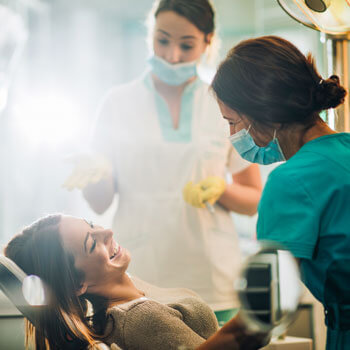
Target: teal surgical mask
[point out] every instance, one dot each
(250, 151)
(172, 74)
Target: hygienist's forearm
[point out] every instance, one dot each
(235, 336)
(220, 341)
(241, 199)
(100, 195)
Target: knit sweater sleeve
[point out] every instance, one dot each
(150, 326)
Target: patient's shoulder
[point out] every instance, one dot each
(137, 320)
(140, 308)
(118, 315)
(148, 324)
(145, 320)
(197, 315)
(194, 311)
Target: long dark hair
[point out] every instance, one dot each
(38, 250)
(270, 81)
(198, 12)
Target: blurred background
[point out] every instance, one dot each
(70, 54)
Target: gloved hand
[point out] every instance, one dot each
(88, 169)
(208, 190)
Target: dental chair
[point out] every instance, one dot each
(11, 282)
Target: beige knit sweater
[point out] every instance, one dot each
(165, 319)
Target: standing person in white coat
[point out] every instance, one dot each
(162, 137)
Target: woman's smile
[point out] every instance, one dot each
(117, 252)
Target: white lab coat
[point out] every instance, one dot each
(172, 244)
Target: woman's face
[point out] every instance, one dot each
(95, 251)
(238, 122)
(177, 40)
(235, 121)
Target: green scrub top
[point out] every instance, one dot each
(306, 207)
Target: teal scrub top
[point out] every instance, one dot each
(306, 207)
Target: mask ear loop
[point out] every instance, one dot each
(274, 135)
(249, 128)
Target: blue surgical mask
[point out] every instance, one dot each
(248, 150)
(172, 74)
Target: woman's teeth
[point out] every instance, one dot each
(114, 253)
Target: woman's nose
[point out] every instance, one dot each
(173, 54)
(108, 235)
(104, 235)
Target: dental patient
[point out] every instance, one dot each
(81, 262)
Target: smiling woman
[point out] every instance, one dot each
(81, 262)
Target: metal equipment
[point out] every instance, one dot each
(332, 19)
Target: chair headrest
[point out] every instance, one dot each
(11, 282)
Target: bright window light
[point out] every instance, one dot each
(50, 120)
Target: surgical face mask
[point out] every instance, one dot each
(172, 74)
(248, 150)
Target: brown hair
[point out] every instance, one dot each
(270, 81)
(38, 250)
(198, 12)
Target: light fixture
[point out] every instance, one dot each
(331, 17)
(318, 5)
(328, 16)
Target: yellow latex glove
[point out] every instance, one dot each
(88, 169)
(192, 194)
(208, 190)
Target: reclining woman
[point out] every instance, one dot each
(81, 262)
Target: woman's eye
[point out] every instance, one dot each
(232, 123)
(163, 42)
(186, 47)
(93, 245)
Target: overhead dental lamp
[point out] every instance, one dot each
(332, 18)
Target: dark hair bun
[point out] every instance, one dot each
(329, 93)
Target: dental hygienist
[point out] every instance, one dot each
(272, 96)
(163, 132)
